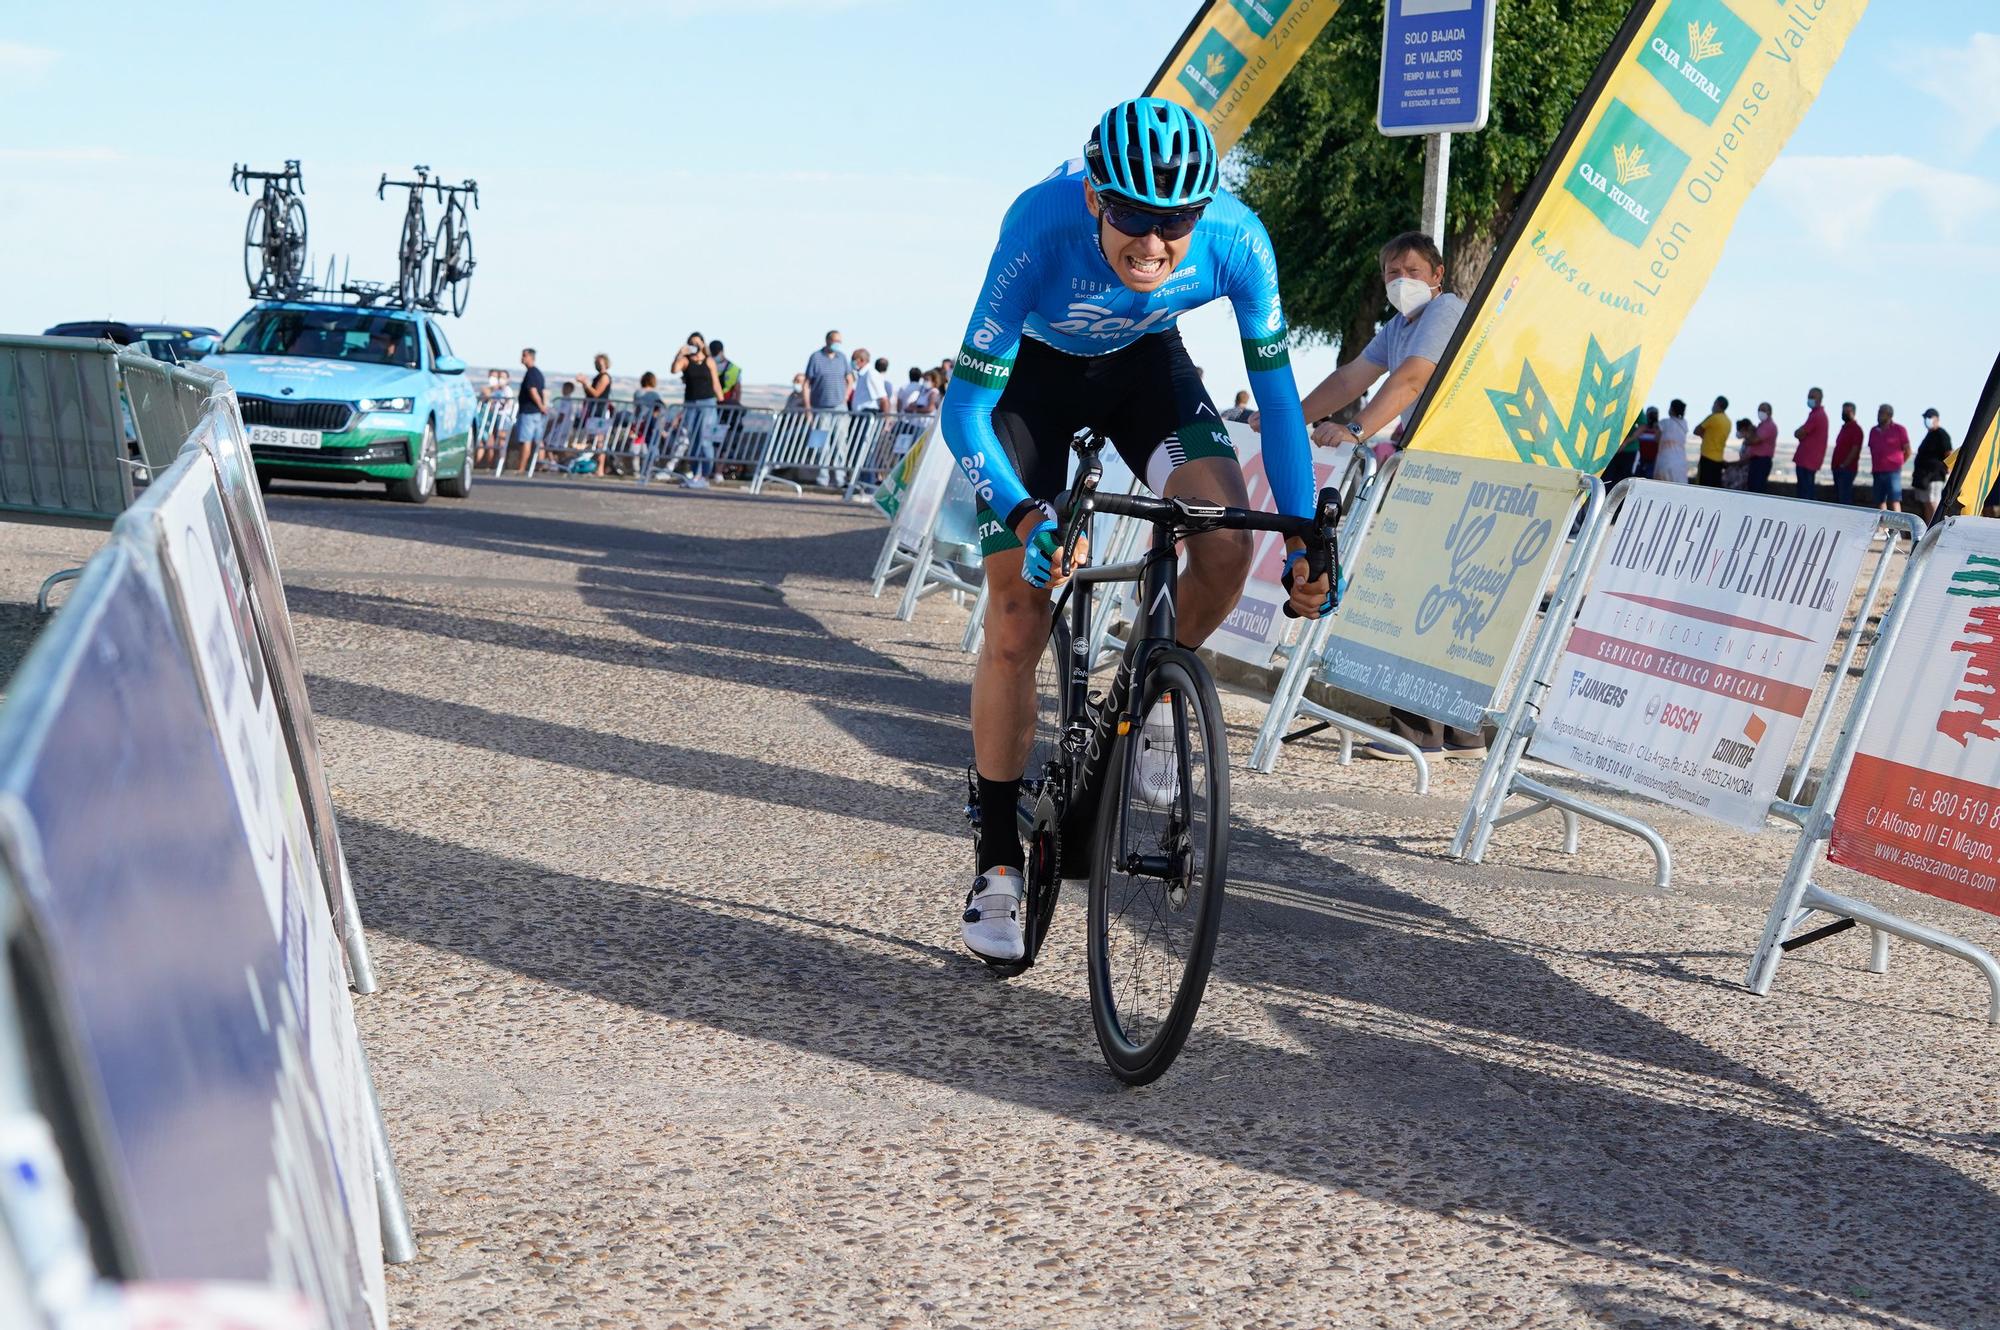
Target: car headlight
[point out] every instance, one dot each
(387, 403)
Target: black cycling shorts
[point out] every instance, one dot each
(1146, 399)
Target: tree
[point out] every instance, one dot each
(1331, 188)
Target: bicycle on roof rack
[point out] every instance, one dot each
(413, 254)
(274, 240)
(451, 269)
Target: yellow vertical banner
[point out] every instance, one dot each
(1625, 223)
(1978, 464)
(1234, 55)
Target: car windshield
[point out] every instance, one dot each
(325, 334)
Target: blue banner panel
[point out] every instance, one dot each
(171, 954)
(1436, 66)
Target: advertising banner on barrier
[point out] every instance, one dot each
(1232, 57)
(1448, 582)
(1620, 231)
(1258, 623)
(1975, 472)
(178, 987)
(889, 494)
(1921, 807)
(1700, 644)
(207, 588)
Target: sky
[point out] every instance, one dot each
(763, 170)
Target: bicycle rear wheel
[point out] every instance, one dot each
(257, 249)
(1157, 876)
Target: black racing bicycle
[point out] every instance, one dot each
(413, 253)
(274, 239)
(1129, 788)
(451, 269)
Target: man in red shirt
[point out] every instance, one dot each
(1846, 455)
(1888, 449)
(1811, 452)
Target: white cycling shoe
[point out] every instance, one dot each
(1158, 771)
(992, 919)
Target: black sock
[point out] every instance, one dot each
(999, 828)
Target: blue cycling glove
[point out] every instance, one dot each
(1038, 563)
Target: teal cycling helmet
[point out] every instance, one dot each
(1153, 153)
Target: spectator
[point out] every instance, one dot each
(1241, 410)
(1649, 443)
(828, 379)
(699, 395)
(1746, 434)
(1888, 449)
(1761, 450)
(562, 428)
(870, 387)
(796, 399)
(596, 406)
(1407, 348)
(1714, 432)
(729, 375)
(1811, 452)
(649, 409)
(1933, 466)
(1670, 464)
(1846, 455)
(944, 373)
(914, 397)
(936, 383)
(531, 424)
(1621, 465)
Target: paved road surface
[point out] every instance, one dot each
(654, 816)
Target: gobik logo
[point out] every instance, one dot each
(1260, 16)
(1626, 173)
(1697, 52)
(1211, 69)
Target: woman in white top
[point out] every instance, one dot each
(1671, 463)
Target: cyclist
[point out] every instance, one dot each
(1076, 327)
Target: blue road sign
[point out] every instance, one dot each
(1437, 66)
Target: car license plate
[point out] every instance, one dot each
(272, 437)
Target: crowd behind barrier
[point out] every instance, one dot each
(197, 1104)
(851, 451)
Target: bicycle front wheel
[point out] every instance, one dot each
(1157, 876)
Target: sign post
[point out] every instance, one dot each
(1437, 75)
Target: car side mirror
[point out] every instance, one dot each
(202, 345)
(449, 365)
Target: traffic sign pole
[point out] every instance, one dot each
(1437, 76)
(1437, 178)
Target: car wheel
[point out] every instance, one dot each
(460, 485)
(421, 485)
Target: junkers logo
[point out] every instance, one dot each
(1596, 690)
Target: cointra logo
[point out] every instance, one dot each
(1697, 52)
(1212, 67)
(1626, 173)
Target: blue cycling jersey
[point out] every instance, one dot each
(1049, 280)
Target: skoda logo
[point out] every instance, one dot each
(286, 391)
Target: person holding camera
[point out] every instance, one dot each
(700, 393)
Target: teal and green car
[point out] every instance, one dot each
(348, 393)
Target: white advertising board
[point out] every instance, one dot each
(1699, 646)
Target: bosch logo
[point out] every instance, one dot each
(1653, 707)
(1685, 719)
(1596, 690)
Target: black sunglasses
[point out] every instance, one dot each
(1128, 220)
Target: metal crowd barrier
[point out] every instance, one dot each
(852, 451)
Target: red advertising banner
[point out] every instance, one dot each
(1921, 807)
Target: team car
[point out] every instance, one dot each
(344, 392)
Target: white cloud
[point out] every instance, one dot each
(1838, 200)
(1965, 77)
(18, 60)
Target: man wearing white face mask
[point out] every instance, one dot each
(1407, 348)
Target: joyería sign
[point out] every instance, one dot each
(1443, 595)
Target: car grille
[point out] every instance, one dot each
(329, 417)
(391, 450)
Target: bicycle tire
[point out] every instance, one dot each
(410, 257)
(257, 242)
(461, 275)
(1145, 989)
(444, 253)
(293, 241)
